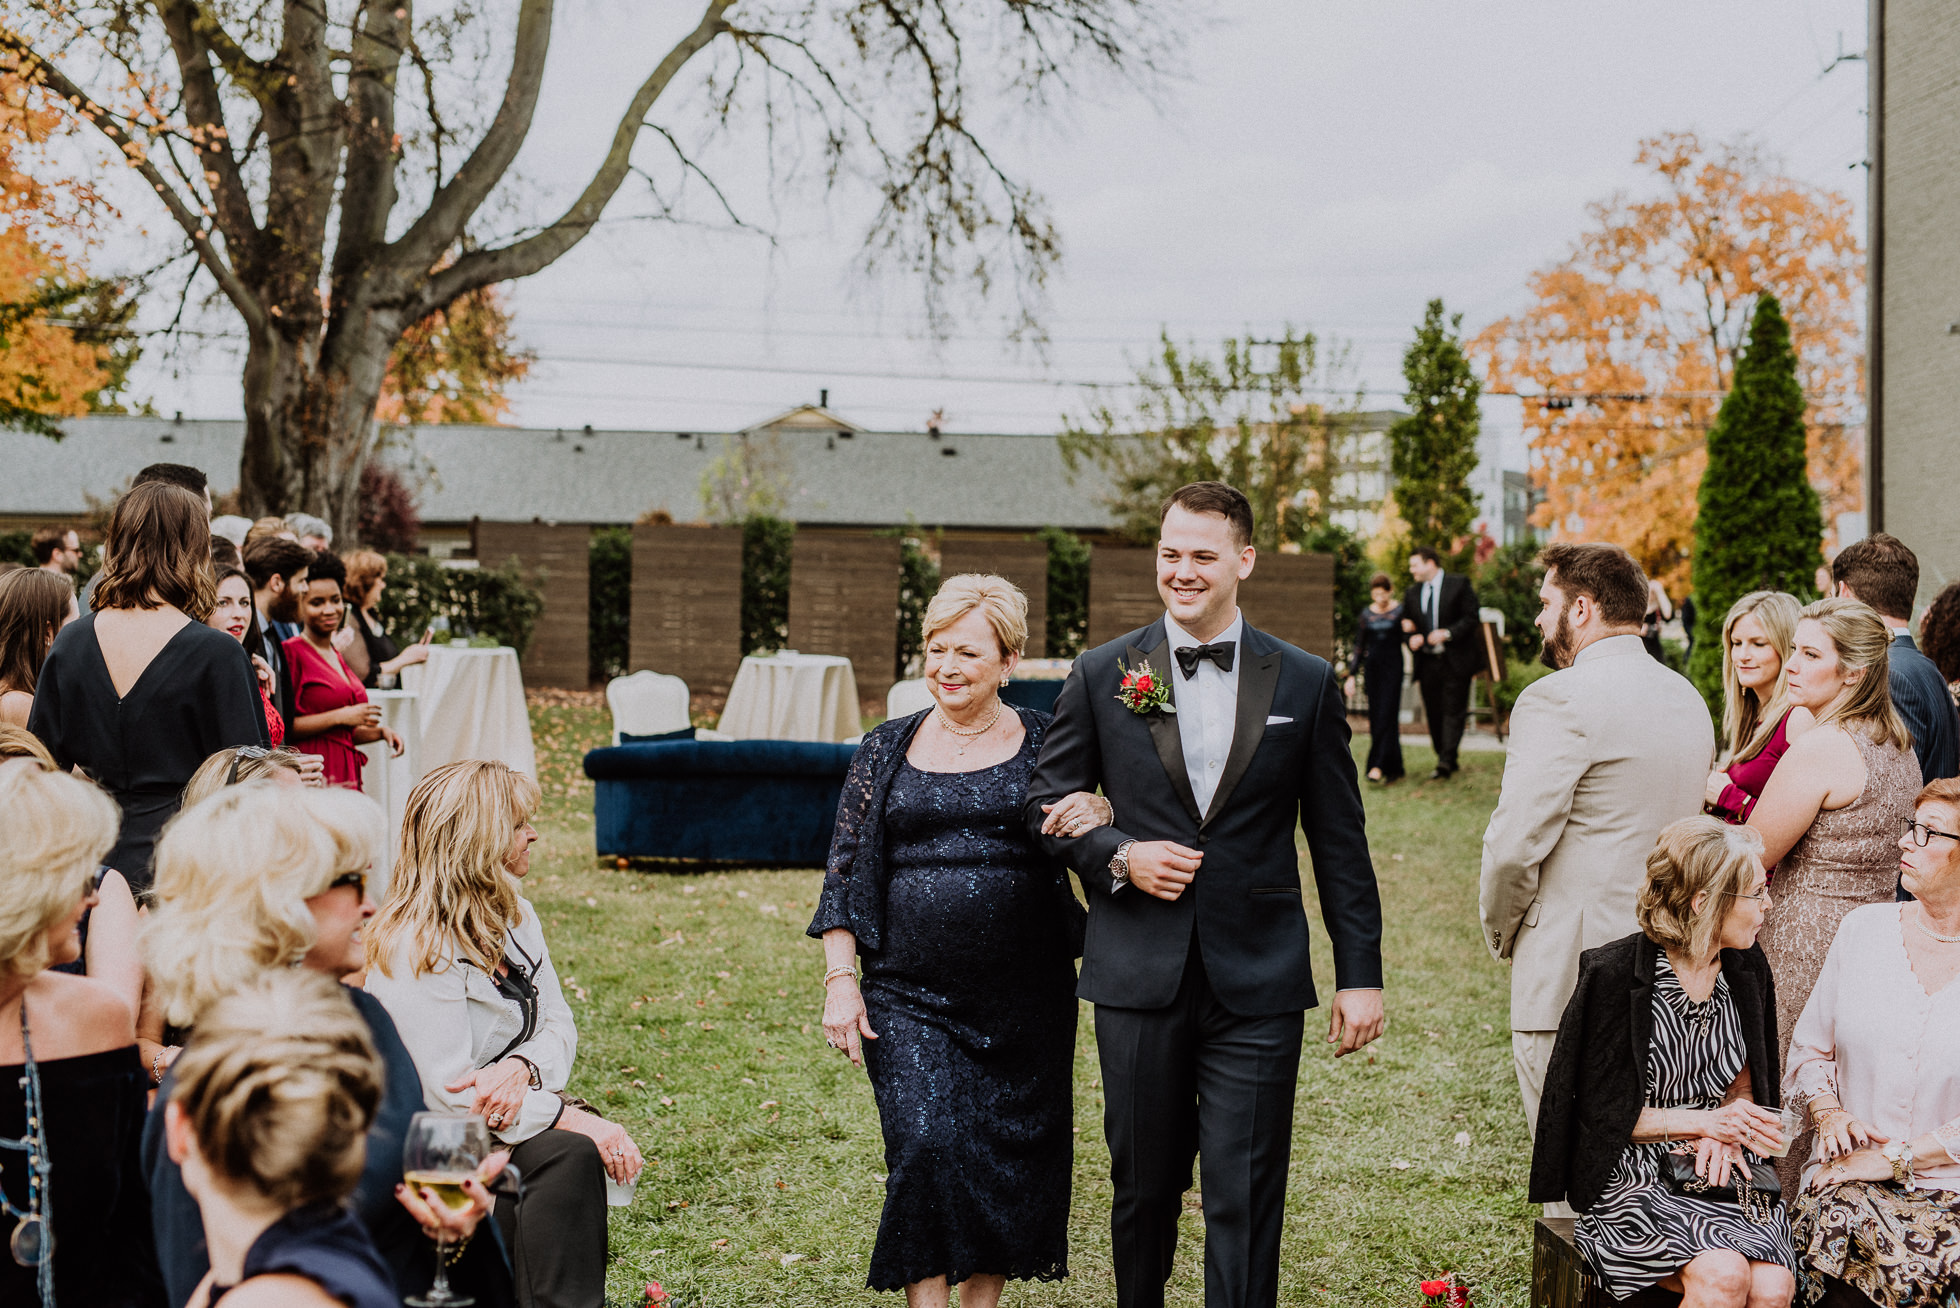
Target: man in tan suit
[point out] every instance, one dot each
(1604, 752)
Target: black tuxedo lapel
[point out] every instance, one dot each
(1163, 726)
(1258, 678)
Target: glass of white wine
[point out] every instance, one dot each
(441, 1151)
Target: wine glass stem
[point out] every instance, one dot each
(439, 1292)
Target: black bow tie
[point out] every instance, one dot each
(1190, 656)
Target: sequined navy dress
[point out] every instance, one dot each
(970, 984)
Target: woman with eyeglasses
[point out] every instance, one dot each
(1877, 1055)
(1830, 813)
(458, 956)
(257, 878)
(1661, 1098)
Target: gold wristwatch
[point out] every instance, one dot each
(1899, 1154)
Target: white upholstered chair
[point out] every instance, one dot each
(906, 697)
(647, 704)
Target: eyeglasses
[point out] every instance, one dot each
(358, 880)
(1922, 835)
(1761, 896)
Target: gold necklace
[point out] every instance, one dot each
(966, 736)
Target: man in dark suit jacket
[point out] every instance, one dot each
(277, 568)
(1197, 950)
(1883, 573)
(1439, 613)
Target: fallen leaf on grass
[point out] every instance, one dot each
(666, 1101)
(1463, 1139)
(590, 902)
(792, 1258)
(718, 1244)
(768, 1103)
(1401, 1166)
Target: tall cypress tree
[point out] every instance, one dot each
(1433, 451)
(1759, 526)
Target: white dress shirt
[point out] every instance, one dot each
(1207, 706)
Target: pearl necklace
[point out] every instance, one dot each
(1920, 922)
(966, 736)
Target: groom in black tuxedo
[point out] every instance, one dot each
(1196, 958)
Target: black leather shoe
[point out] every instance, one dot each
(1440, 774)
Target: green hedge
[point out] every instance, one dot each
(610, 600)
(1068, 592)
(492, 602)
(766, 546)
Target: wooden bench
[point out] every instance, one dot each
(1559, 1278)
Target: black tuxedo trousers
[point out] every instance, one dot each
(1200, 1000)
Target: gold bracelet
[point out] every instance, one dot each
(835, 972)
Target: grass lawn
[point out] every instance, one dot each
(698, 1002)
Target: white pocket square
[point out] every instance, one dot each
(1274, 722)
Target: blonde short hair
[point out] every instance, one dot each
(279, 1085)
(449, 888)
(1001, 600)
(214, 773)
(58, 828)
(233, 875)
(1862, 640)
(19, 742)
(1695, 856)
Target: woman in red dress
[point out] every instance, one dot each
(1757, 717)
(332, 716)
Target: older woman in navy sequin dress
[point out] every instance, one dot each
(965, 1017)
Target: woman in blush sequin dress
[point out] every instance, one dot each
(966, 1016)
(1832, 812)
(1759, 723)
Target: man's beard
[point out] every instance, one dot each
(1557, 653)
(284, 607)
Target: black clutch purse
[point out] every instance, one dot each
(1753, 1187)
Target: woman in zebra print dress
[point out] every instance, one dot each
(1667, 1044)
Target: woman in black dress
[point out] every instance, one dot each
(1378, 659)
(968, 935)
(71, 1086)
(140, 692)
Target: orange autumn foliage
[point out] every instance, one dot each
(45, 372)
(1639, 327)
(455, 365)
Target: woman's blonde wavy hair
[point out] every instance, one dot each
(57, 828)
(1862, 641)
(1747, 721)
(1000, 600)
(233, 874)
(214, 773)
(449, 888)
(279, 1085)
(1695, 856)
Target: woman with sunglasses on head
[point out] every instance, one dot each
(459, 958)
(1877, 1055)
(257, 878)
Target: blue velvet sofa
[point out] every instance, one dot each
(744, 801)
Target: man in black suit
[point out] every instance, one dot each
(1439, 613)
(1882, 572)
(1196, 958)
(277, 568)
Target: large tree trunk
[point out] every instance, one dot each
(309, 421)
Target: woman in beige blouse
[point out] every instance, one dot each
(1877, 1053)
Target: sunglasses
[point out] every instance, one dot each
(358, 880)
(249, 752)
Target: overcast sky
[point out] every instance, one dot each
(1331, 166)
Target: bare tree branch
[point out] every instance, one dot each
(521, 259)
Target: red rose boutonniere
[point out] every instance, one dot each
(1143, 691)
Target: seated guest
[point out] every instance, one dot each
(1668, 1048)
(232, 767)
(371, 653)
(458, 956)
(67, 1061)
(332, 716)
(140, 692)
(1758, 720)
(264, 878)
(1877, 1053)
(34, 607)
(267, 1120)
